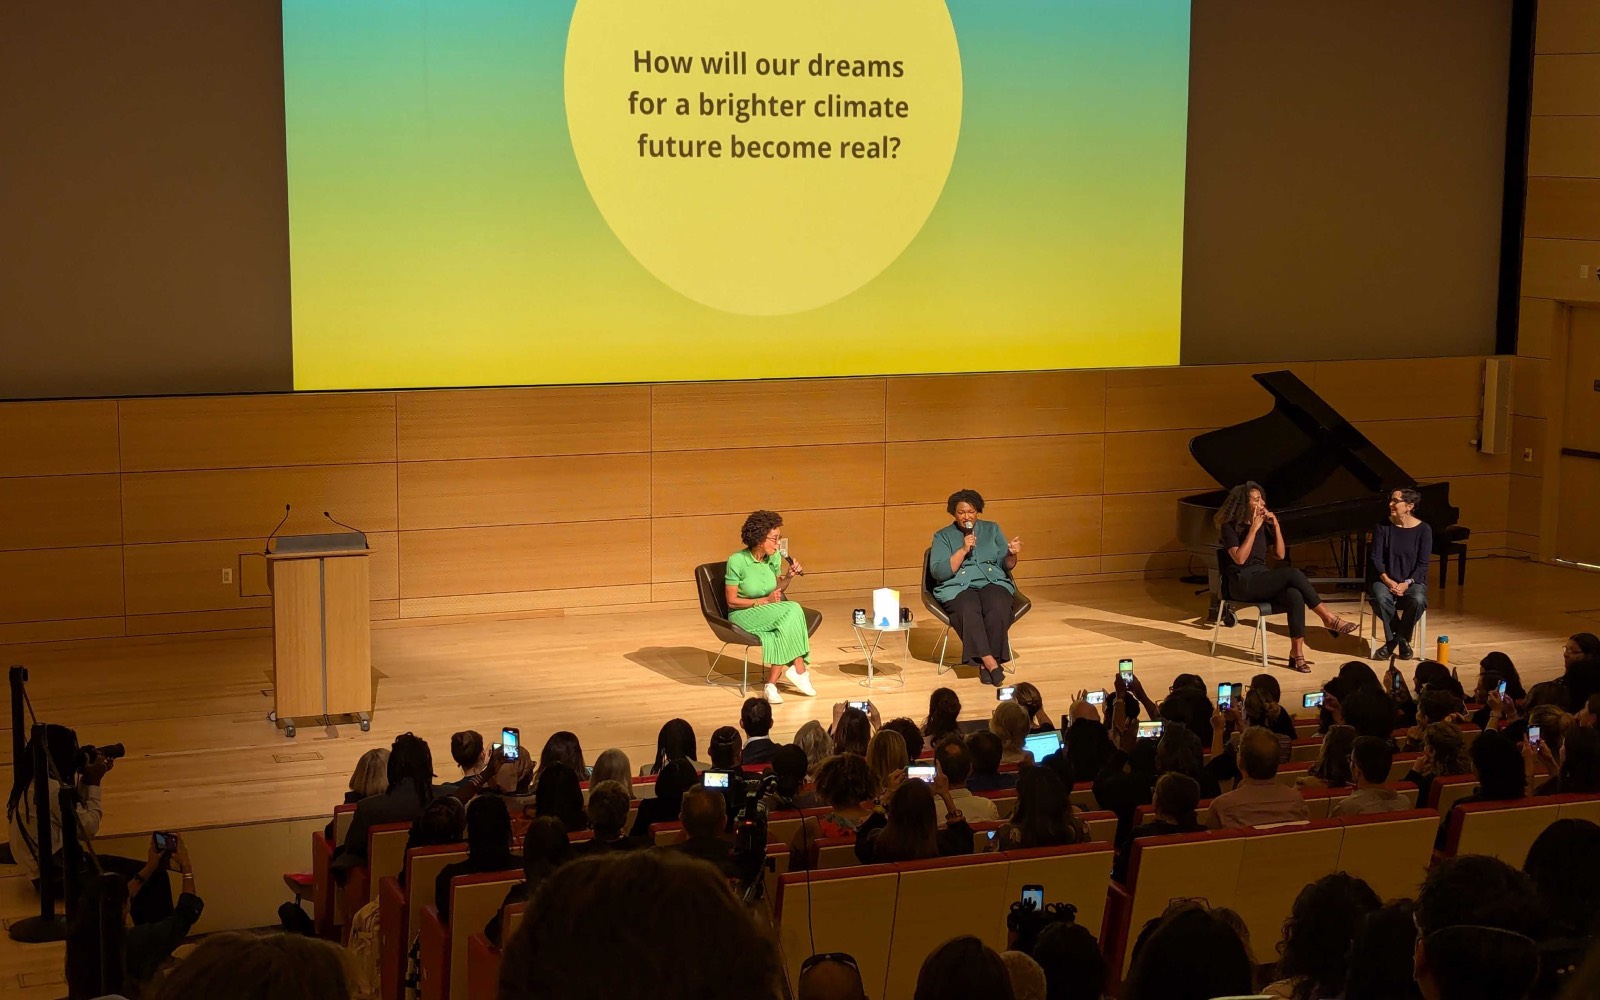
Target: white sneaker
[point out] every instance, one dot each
(801, 682)
(773, 697)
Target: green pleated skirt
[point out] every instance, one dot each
(780, 627)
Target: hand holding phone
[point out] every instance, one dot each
(1033, 894)
(510, 742)
(1125, 669)
(1313, 699)
(861, 706)
(921, 772)
(164, 841)
(1096, 698)
(1533, 736)
(714, 779)
(1006, 693)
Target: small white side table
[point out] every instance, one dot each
(870, 649)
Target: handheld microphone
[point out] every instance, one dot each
(790, 560)
(266, 550)
(347, 527)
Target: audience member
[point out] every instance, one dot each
(1044, 816)
(244, 966)
(1381, 955)
(1258, 712)
(1259, 799)
(1269, 695)
(886, 754)
(1176, 799)
(1074, 967)
(789, 773)
(1314, 954)
(1189, 707)
(1009, 721)
(1087, 746)
(907, 829)
(813, 738)
(144, 947)
(563, 747)
(676, 741)
(1580, 655)
(681, 935)
(370, 777)
(410, 788)
(500, 777)
(613, 765)
(677, 777)
(755, 718)
(851, 731)
(1478, 920)
(911, 733)
(725, 748)
(1576, 770)
(469, 753)
(830, 976)
(1494, 668)
(545, 847)
(705, 815)
(985, 749)
(1179, 750)
(1027, 976)
(944, 711)
(607, 813)
(1189, 953)
(963, 968)
(1501, 776)
(953, 760)
(1564, 864)
(1032, 702)
(1443, 755)
(1370, 712)
(1128, 780)
(845, 784)
(1332, 767)
(443, 821)
(1371, 760)
(488, 849)
(559, 794)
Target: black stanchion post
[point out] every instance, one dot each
(18, 677)
(112, 931)
(71, 850)
(47, 926)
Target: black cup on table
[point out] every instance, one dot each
(859, 616)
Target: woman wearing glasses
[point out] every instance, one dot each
(755, 579)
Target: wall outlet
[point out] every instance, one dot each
(1527, 454)
(227, 575)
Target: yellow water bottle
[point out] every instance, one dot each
(1442, 653)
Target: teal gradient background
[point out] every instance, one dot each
(441, 232)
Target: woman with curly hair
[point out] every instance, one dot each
(971, 563)
(1247, 529)
(1314, 954)
(755, 580)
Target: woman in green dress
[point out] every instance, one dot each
(756, 579)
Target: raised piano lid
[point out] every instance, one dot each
(1303, 452)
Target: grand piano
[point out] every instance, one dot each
(1323, 478)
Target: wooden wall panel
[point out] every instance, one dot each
(180, 577)
(1140, 522)
(1566, 84)
(480, 492)
(739, 480)
(1012, 404)
(58, 439)
(999, 468)
(1438, 448)
(1551, 269)
(45, 512)
(1537, 320)
(1050, 528)
(1432, 387)
(1152, 461)
(501, 560)
(1568, 26)
(1484, 502)
(1579, 536)
(1563, 208)
(1195, 398)
(1564, 146)
(242, 432)
(708, 415)
(517, 423)
(47, 584)
(241, 503)
(824, 541)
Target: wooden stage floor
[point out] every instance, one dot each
(192, 709)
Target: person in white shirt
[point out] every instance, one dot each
(956, 763)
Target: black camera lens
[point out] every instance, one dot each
(114, 751)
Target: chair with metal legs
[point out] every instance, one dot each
(1020, 605)
(709, 582)
(1226, 609)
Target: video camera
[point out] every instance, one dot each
(750, 835)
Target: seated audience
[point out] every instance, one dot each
(1177, 796)
(409, 790)
(1443, 755)
(852, 728)
(1564, 864)
(444, 821)
(789, 771)
(907, 829)
(607, 812)
(985, 750)
(469, 753)
(725, 748)
(1313, 958)
(1009, 721)
(1027, 977)
(1179, 750)
(1044, 816)
(1332, 767)
(911, 733)
(1580, 656)
(1259, 799)
(755, 718)
(677, 777)
(563, 747)
(1381, 955)
(830, 976)
(886, 754)
(1494, 668)
(1074, 967)
(1086, 744)
(1589, 715)
(953, 760)
(963, 968)
(613, 765)
(680, 933)
(813, 738)
(244, 966)
(1478, 920)
(1032, 702)
(557, 793)
(1370, 762)
(145, 946)
(1370, 712)
(488, 849)
(845, 785)
(370, 777)
(1501, 776)
(1575, 770)
(705, 816)
(944, 711)
(675, 741)
(1434, 705)
(545, 847)
(1268, 710)
(1129, 779)
(1189, 953)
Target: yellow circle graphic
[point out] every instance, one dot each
(764, 159)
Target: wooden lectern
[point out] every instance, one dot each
(321, 627)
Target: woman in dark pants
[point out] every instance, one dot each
(971, 562)
(1248, 529)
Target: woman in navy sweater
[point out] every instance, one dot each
(1401, 549)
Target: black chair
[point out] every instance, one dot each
(1020, 605)
(709, 579)
(1226, 607)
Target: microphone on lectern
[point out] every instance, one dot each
(346, 527)
(267, 549)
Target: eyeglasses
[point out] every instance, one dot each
(843, 958)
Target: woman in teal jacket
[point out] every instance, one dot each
(971, 562)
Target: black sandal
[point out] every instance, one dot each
(1343, 628)
(1299, 665)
